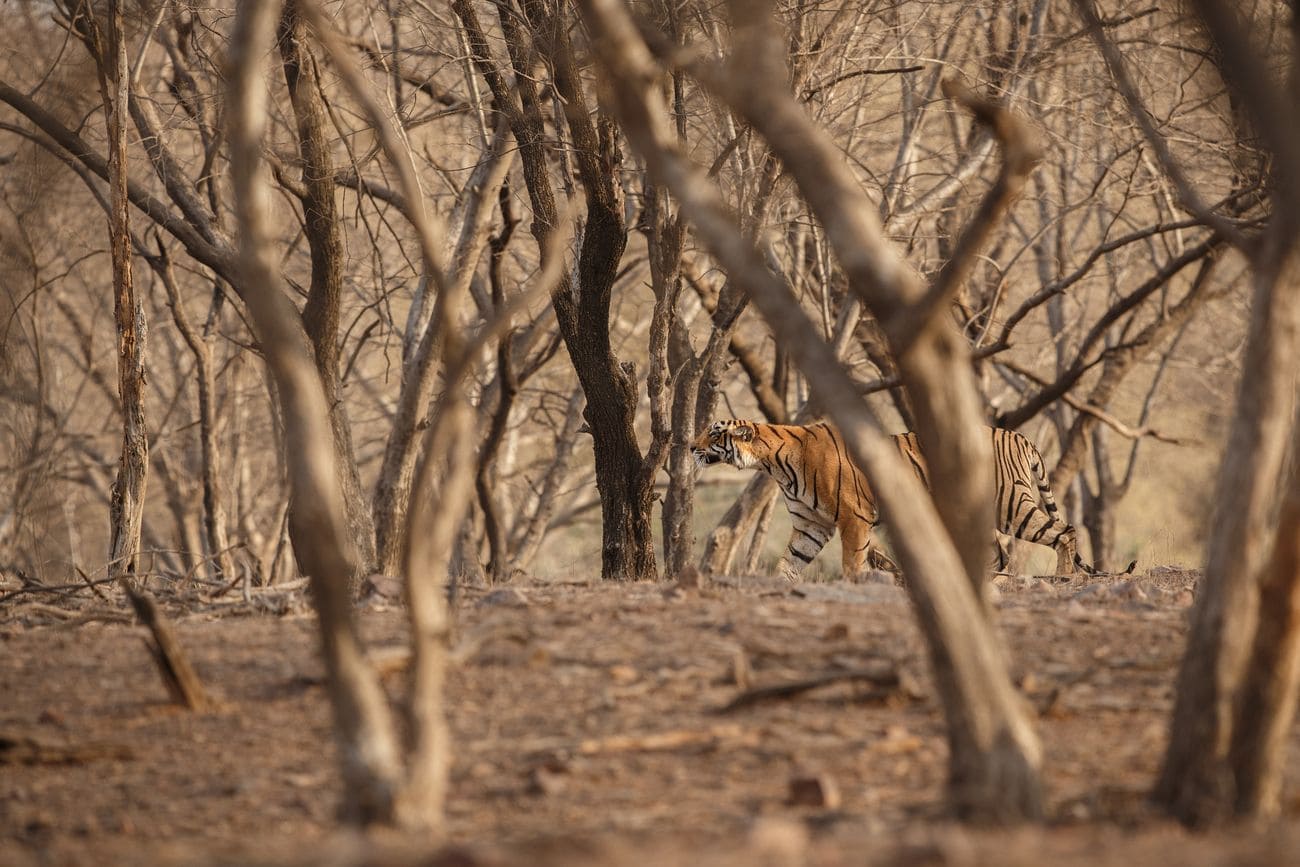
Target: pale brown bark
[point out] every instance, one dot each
(126, 511)
(173, 664)
(507, 381)
(420, 366)
(1209, 768)
(737, 526)
(214, 510)
(1195, 781)
(1266, 704)
(695, 400)
(126, 514)
(320, 315)
(528, 542)
(367, 744)
(415, 794)
(444, 482)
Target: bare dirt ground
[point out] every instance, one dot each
(604, 725)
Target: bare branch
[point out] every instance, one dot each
(1021, 152)
(1190, 198)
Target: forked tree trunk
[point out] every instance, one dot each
(420, 356)
(582, 306)
(670, 375)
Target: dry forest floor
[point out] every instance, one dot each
(603, 724)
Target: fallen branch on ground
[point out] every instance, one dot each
(885, 676)
(714, 736)
(178, 676)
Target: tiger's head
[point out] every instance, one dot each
(729, 441)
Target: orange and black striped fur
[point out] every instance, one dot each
(824, 491)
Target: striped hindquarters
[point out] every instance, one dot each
(1021, 487)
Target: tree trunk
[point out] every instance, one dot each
(435, 521)
(529, 540)
(672, 380)
(1099, 505)
(126, 514)
(727, 539)
(498, 568)
(678, 510)
(214, 510)
(1266, 703)
(582, 310)
(320, 315)
(994, 754)
(368, 748)
(420, 354)
(758, 541)
(1195, 783)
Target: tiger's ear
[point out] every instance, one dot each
(743, 432)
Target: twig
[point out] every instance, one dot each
(810, 92)
(53, 588)
(713, 736)
(89, 583)
(885, 676)
(1100, 414)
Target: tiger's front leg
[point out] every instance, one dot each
(806, 541)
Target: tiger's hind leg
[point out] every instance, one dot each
(860, 551)
(1033, 524)
(1001, 553)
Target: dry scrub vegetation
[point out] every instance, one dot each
(358, 351)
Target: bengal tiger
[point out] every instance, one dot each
(825, 491)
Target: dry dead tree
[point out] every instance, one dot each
(126, 511)
(367, 738)
(382, 785)
(995, 754)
